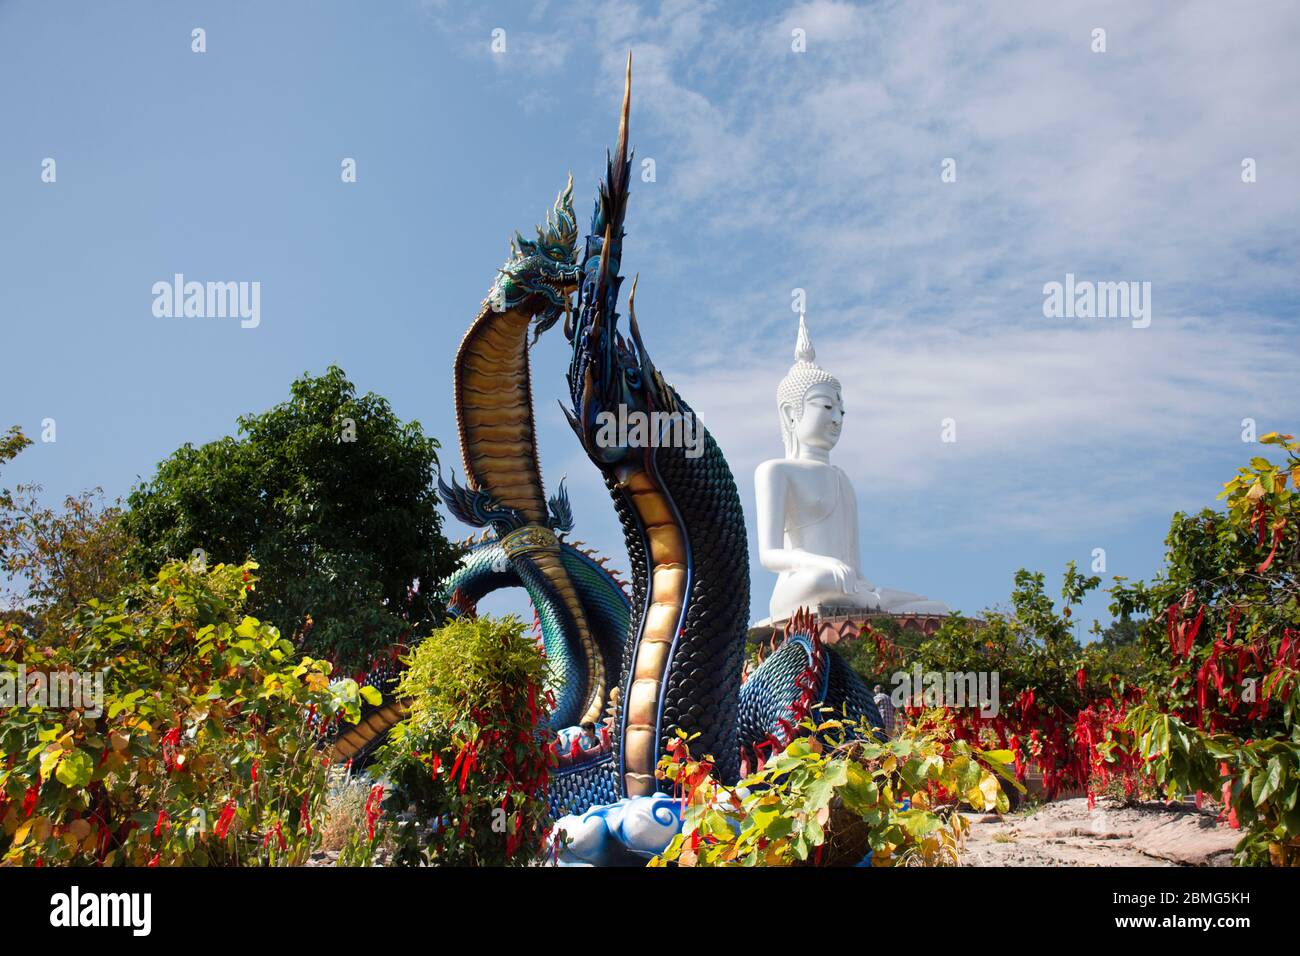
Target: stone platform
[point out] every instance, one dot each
(835, 625)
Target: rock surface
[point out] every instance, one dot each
(1067, 833)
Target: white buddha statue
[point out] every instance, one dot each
(807, 511)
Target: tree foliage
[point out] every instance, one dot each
(332, 495)
(54, 560)
(12, 443)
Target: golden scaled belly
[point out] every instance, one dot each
(666, 547)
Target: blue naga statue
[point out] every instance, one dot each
(630, 669)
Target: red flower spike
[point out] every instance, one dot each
(223, 821)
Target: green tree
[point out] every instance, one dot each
(1031, 646)
(1119, 651)
(332, 495)
(1119, 633)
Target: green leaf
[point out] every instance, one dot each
(967, 772)
(50, 760)
(718, 827)
(919, 822)
(75, 770)
(823, 788)
(1272, 780)
(779, 828)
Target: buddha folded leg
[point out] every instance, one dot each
(812, 588)
(904, 602)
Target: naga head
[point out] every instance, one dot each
(606, 370)
(544, 270)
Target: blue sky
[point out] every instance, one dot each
(775, 170)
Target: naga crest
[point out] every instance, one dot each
(606, 370)
(546, 267)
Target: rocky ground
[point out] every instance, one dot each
(1067, 833)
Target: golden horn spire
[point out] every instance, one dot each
(604, 251)
(631, 309)
(627, 105)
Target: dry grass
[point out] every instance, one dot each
(345, 811)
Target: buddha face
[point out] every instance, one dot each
(821, 418)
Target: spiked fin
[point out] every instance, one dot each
(477, 508)
(561, 510)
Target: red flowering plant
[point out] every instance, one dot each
(1053, 693)
(201, 748)
(470, 763)
(1222, 635)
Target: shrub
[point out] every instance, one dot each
(830, 804)
(202, 750)
(468, 767)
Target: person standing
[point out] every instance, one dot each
(886, 708)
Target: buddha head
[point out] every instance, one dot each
(809, 401)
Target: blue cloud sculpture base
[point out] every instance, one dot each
(626, 833)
